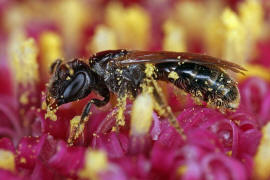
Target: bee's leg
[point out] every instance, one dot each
(120, 116)
(77, 126)
(162, 107)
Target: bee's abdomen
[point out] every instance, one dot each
(210, 84)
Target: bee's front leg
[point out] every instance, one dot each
(77, 127)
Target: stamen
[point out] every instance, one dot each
(95, 163)
(7, 160)
(141, 115)
(24, 62)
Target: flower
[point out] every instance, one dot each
(218, 145)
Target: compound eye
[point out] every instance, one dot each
(73, 89)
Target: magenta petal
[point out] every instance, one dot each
(163, 158)
(115, 144)
(6, 144)
(114, 173)
(7, 175)
(207, 141)
(6, 84)
(59, 129)
(247, 160)
(155, 132)
(249, 141)
(43, 172)
(137, 167)
(219, 166)
(198, 117)
(67, 160)
(139, 144)
(264, 114)
(193, 172)
(168, 136)
(29, 149)
(253, 92)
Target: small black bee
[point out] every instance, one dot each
(122, 72)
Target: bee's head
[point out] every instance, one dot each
(70, 81)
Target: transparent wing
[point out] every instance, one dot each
(142, 57)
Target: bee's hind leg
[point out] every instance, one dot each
(162, 107)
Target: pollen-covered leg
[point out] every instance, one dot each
(77, 124)
(120, 117)
(163, 109)
(151, 86)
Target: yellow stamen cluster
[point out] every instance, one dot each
(235, 47)
(95, 163)
(72, 16)
(225, 33)
(24, 61)
(131, 25)
(252, 16)
(50, 48)
(242, 31)
(104, 39)
(7, 160)
(174, 37)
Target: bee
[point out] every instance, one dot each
(123, 72)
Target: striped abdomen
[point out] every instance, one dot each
(210, 84)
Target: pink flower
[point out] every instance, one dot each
(219, 145)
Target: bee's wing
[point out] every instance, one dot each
(142, 57)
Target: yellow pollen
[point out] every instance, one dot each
(24, 98)
(24, 61)
(182, 170)
(22, 160)
(44, 105)
(76, 129)
(95, 163)
(173, 75)
(51, 114)
(229, 153)
(121, 104)
(7, 160)
(150, 70)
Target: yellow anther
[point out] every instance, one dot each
(7, 160)
(141, 115)
(96, 162)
